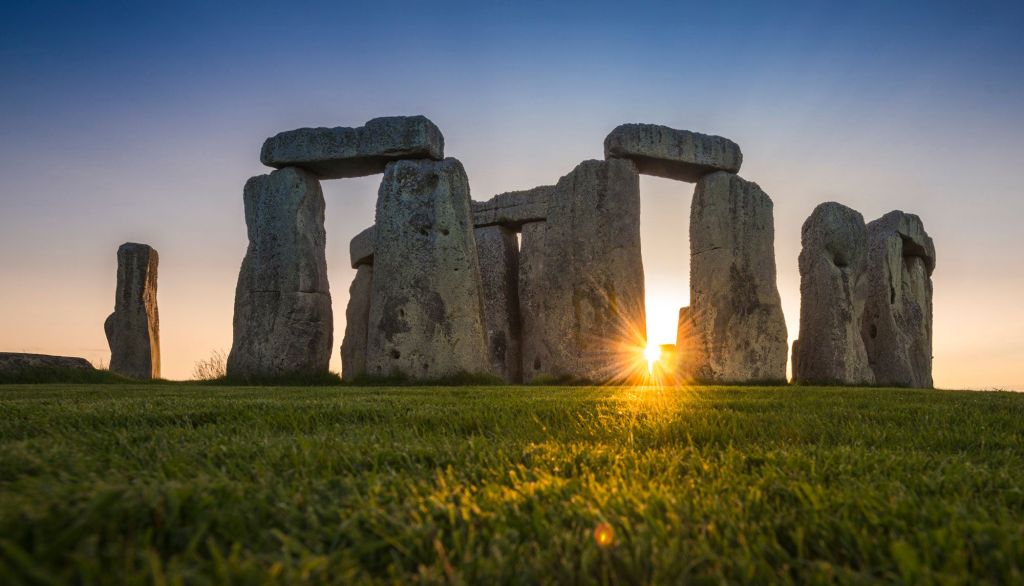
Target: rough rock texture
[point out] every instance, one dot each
(735, 310)
(14, 363)
(360, 249)
(513, 209)
(426, 308)
(582, 279)
(674, 154)
(897, 325)
(498, 251)
(333, 153)
(833, 285)
(283, 321)
(357, 318)
(133, 330)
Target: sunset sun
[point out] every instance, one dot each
(652, 353)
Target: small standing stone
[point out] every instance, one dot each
(673, 154)
(832, 290)
(498, 251)
(283, 322)
(735, 311)
(897, 326)
(357, 317)
(133, 330)
(426, 307)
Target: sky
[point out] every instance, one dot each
(127, 121)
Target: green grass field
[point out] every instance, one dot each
(200, 484)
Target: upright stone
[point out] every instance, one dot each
(582, 280)
(674, 154)
(334, 153)
(360, 249)
(897, 326)
(133, 330)
(735, 311)
(283, 321)
(357, 318)
(498, 251)
(426, 309)
(832, 290)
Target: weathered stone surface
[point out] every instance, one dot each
(833, 285)
(283, 321)
(357, 318)
(735, 310)
(360, 249)
(514, 208)
(897, 325)
(16, 363)
(133, 330)
(333, 153)
(674, 154)
(498, 252)
(582, 279)
(426, 309)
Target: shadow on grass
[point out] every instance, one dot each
(43, 375)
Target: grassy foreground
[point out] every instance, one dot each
(177, 483)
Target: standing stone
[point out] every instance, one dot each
(897, 326)
(133, 330)
(673, 154)
(583, 279)
(334, 153)
(360, 249)
(832, 290)
(426, 309)
(498, 251)
(735, 311)
(283, 321)
(357, 317)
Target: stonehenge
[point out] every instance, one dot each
(547, 284)
(865, 300)
(283, 318)
(133, 330)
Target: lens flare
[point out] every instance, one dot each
(604, 535)
(652, 353)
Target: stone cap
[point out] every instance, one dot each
(674, 154)
(335, 153)
(514, 208)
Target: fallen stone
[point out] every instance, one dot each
(283, 323)
(426, 308)
(334, 153)
(513, 209)
(361, 247)
(16, 363)
(357, 318)
(133, 330)
(735, 309)
(897, 325)
(674, 154)
(498, 251)
(833, 286)
(582, 279)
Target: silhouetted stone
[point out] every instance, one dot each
(897, 325)
(360, 249)
(833, 286)
(735, 307)
(582, 282)
(334, 153)
(674, 154)
(133, 330)
(498, 251)
(357, 317)
(283, 322)
(18, 363)
(513, 209)
(426, 309)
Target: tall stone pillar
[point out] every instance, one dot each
(133, 330)
(582, 279)
(897, 326)
(426, 308)
(498, 251)
(735, 312)
(283, 320)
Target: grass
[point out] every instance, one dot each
(202, 484)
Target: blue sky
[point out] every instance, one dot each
(129, 121)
